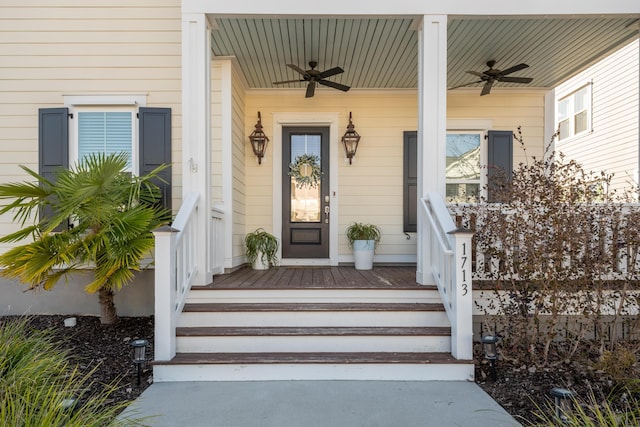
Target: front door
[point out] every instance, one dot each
(305, 192)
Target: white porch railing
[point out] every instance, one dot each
(175, 270)
(450, 261)
(622, 251)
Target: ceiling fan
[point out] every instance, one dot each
(492, 75)
(314, 76)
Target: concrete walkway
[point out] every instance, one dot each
(318, 403)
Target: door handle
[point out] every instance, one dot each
(326, 214)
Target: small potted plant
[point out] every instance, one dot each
(262, 248)
(363, 238)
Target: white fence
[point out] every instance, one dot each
(611, 238)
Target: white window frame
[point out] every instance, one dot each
(105, 103)
(569, 95)
(482, 182)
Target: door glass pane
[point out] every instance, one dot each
(305, 199)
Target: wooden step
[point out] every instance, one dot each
(313, 314)
(423, 294)
(285, 366)
(302, 358)
(312, 339)
(317, 331)
(261, 307)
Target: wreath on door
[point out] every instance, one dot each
(306, 171)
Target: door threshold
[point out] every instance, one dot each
(287, 262)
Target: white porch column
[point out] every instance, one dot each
(196, 130)
(432, 125)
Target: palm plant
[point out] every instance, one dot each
(112, 212)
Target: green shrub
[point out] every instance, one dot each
(260, 242)
(362, 231)
(593, 412)
(38, 381)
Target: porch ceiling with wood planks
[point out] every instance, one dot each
(383, 52)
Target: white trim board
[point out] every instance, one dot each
(282, 119)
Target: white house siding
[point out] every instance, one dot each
(216, 132)
(371, 189)
(228, 88)
(82, 48)
(51, 49)
(612, 145)
(239, 141)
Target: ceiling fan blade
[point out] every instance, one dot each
(298, 69)
(486, 88)
(311, 89)
(466, 84)
(475, 73)
(334, 85)
(329, 73)
(513, 69)
(524, 80)
(287, 81)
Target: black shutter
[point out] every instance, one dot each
(155, 146)
(53, 146)
(500, 160)
(410, 181)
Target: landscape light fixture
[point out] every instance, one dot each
(258, 140)
(350, 140)
(491, 352)
(139, 354)
(562, 399)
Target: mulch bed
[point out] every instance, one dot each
(523, 391)
(520, 390)
(106, 347)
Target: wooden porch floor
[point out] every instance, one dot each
(345, 277)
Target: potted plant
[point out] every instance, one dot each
(262, 248)
(363, 238)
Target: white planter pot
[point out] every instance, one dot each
(363, 254)
(258, 264)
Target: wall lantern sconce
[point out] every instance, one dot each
(258, 140)
(350, 140)
(491, 352)
(563, 399)
(139, 354)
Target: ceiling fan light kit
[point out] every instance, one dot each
(492, 75)
(314, 77)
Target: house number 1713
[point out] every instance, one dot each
(465, 286)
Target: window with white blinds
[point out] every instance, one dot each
(105, 132)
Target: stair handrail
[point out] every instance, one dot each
(175, 270)
(450, 262)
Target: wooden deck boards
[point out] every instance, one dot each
(354, 331)
(307, 307)
(317, 358)
(318, 278)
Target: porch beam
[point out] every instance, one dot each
(293, 8)
(196, 134)
(432, 126)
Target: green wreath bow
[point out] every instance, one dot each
(306, 171)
